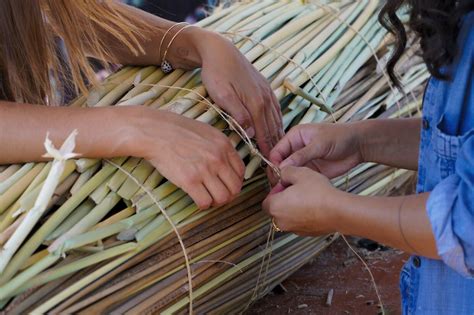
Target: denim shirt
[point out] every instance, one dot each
(446, 169)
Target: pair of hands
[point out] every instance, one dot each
(197, 157)
(304, 201)
(201, 160)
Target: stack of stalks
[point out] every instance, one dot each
(104, 244)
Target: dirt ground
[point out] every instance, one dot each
(338, 270)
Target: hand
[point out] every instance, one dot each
(238, 88)
(303, 202)
(330, 149)
(194, 156)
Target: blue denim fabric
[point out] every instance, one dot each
(446, 169)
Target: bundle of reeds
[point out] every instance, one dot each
(106, 240)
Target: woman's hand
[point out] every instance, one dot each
(307, 204)
(331, 149)
(194, 156)
(303, 202)
(238, 88)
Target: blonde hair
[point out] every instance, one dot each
(28, 54)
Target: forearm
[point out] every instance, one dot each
(400, 222)
(102, 131)
(393, 142)
(183, 53)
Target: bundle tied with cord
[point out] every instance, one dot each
(116, 236)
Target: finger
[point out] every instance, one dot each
(201, 197)
(237, 164)
(272, 117)
(279, 127)
(263, 137)
(272, 121)
(290, 143)
(262, 129)
(277, 115)
(316, 165)
(241, 114)
(267, 204)
(272, 204)
(272, 177)
(304, 155)
(237, 110)
(219, 192)
(291, 175)
(231, 180)
(256, 109)
(260, 124)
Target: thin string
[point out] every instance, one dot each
(310, 77)
(280, 55)
(235, 126)
(268, 244)
(173, 39)
(229, 120)
(372, 278)
(270, 252)
(287, 84)
(374, 53)
(166, 34)
(175, 229)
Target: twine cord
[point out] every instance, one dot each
(175, 229)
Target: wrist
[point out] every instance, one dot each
(187, 50)
(342, 210)
(368, 139)
(134, 124)
(334, 202)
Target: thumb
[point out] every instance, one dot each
(303, 156)
(290, 175)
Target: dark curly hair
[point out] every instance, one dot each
(437, 25)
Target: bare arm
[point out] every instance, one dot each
(183, 53)
(401, 222)
(24, 127)
(393, 142)
(170, 142)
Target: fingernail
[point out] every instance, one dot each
(250, 132)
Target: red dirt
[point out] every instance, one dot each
(337, 268)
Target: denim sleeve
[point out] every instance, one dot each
(451, 211)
